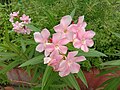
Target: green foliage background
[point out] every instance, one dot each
(102, 16)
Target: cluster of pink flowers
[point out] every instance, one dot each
(55, 49)
(20, 27)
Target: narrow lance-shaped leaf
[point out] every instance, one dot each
(23, 45)
(91, 53)
(46, 76)
(82, 77)
(73, 13)
(33, 28)
(10, 66)
(114, 63)
(50, 16)
(73, 81)
(33, 61)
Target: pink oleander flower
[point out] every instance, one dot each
(64, 23)
(42, 39)
(53, 60)
(20, 28)
(70, 65)
(25, 19)
(84, 40)
(58, 43)
(12, 15)
(80, 26)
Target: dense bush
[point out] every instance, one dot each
(102, 16)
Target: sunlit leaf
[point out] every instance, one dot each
(91, 53)
(33, 61)
(114, 62)
(82, 77)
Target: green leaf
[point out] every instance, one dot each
(53, 77)
(82, 77)
(10, 66)
(33, 61)
(23, 45)
(6, 56)
(106, 71)
(114, 63)
(91, 53)
(116, 34)
(33, 28)
(113, 84)
(50, 16)
(73, 81)
(46, 76)
(73, 13)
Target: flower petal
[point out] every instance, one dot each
(89, 34)
(59, 28)
(73, 28)
(83, 25)
(74, 68)
(46, 53)
(62, 65)
(65, 21)
(56, 37)
(63, 49)
(80, 20)
(72, 54)
(47, 60)
(64, 72)
(89, 42)
(40, 47)
(84, 48)
(45, 33)
(70, 36)
(80, 58)
(38, 37)
(77, 43)
(63, 41)
(49, 47)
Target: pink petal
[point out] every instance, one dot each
(81, 34)
(65, 21)
(72, 54)
(38, 37)
(54, 53)
(83, 25)
(47, 60)
(59, 28)
(73, 28)
(45, 33)
(40, 47)
(53, 62)
(89, 42)
(64, 69)
(63, 49)
(58, 57)
(62, 65)
(77, 43)
(70, 36)
(56, 37)
(89, 34)
(46, 53)
(63, 41)
(84, 48)
(74, 68)
(80, 58)
(50, 47)
(81, 19)
(64, 72)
